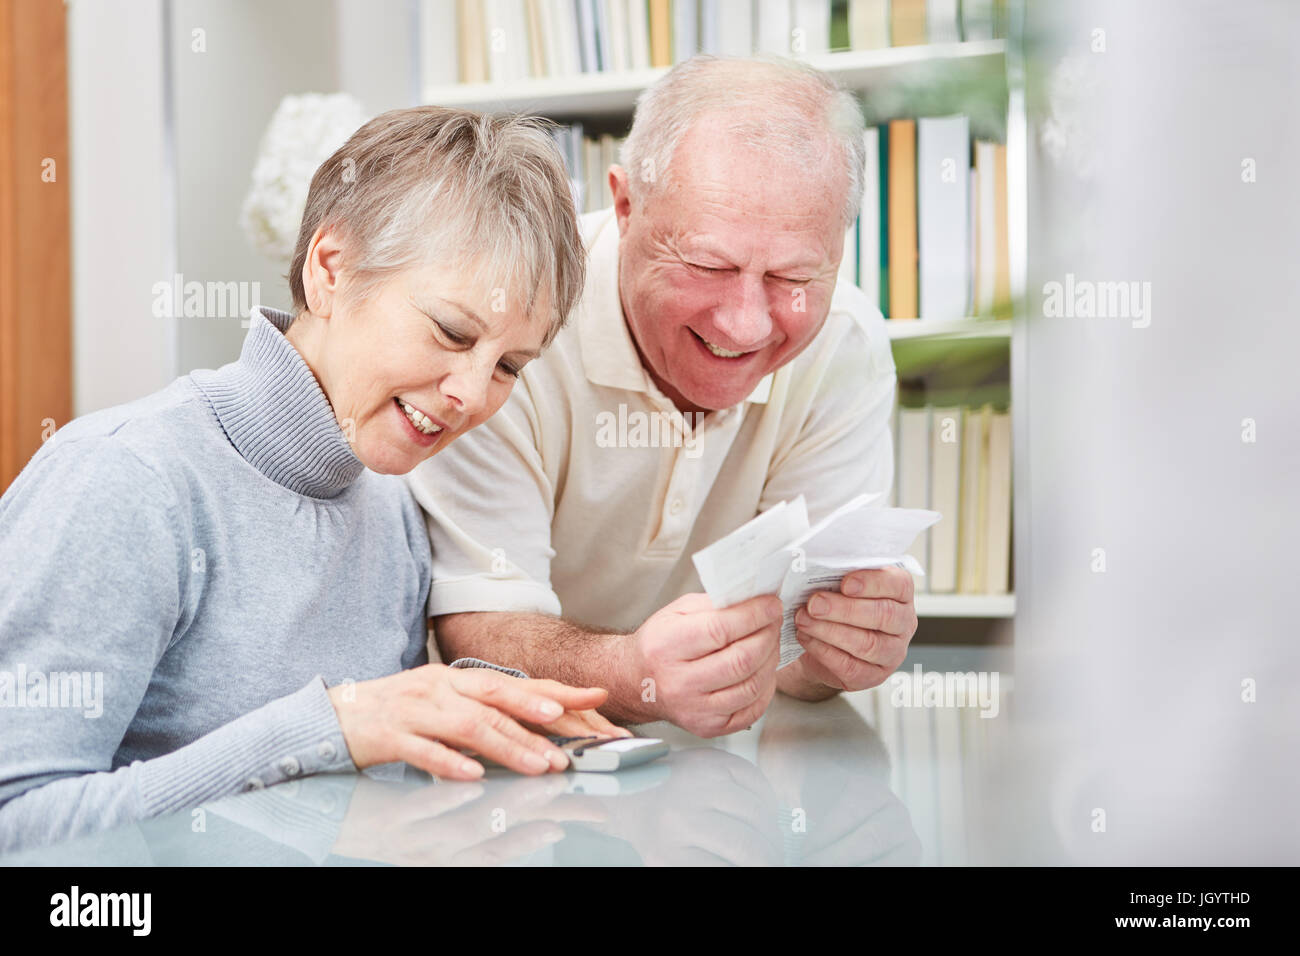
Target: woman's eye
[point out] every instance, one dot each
(509, 370)
(452, 336)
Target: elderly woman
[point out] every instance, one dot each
(234, 561)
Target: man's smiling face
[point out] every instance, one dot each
(726, 274)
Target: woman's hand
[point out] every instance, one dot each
(421, 715)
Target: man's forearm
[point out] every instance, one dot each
(793, 682)
(544, 646)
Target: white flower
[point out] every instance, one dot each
(302, 134)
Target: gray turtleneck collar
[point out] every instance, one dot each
(275, 414)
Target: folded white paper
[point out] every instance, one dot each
(778, 553)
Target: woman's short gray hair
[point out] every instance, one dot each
(431, 183)
(782, 106)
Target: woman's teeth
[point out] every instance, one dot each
(419, 419)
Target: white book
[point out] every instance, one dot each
(507, 40)
(568, 36)
(869, 220)
(685, 29)
(615, 19)
(945, 497)
(778, 553)
(772, 30)
(977, 19)
(986, 234)
(608, 157)
(914, 476)
(942, 178)
(941, 21)
(638, 33)
(810, 26)
(736, 27)
(587, 44)
(594, 172)
(970, 533)
(439, 64)
(604, 55)
(972, 217)
(997, 566)
(849, 259)
(868, 24)
(708, 38)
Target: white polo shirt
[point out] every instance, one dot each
(586, 497)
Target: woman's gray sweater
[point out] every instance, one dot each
(181, 577)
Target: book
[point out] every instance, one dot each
(907, 22)
(902, 220)
(997, 563)
(869, 218)
(810, 21)
(883, 212)
(868, 24)
(779, 553)
(735, 28)
(945, 497)
(1001, 237)
(942, 179)
(913, 475)
(471, 51)
(971, 541)
(537, 57)
(685, 29)
(985, 228)
(707, 37)
(439, 38)
(942, 22)
(772, 29)
(661, 33)
(849, 257)
(615, 20)
(588, 48)
(638, 34)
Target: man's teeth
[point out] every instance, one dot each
(720, 352)
(419, 419)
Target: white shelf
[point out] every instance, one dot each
(965, 605)
(614, 94)
(949, 328)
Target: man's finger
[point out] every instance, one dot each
(734, 663)
(876, 647)
(893, 583)
(874, 614)
(708, 632)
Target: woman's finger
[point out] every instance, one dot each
(571, 698)
(533, 701)
(437, 759)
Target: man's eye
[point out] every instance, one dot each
(707, 269)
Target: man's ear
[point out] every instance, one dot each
(618, 188)
(321, 277)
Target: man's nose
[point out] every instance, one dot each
(743, 316)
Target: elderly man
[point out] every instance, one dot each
(712, 369)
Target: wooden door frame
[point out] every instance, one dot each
(35, 230)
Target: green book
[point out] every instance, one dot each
(883, 155)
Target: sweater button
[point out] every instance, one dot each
(327, 750)
(255, 783)
(290, 767)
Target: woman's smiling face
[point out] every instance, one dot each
(416, 363)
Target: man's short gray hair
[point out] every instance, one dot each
(488, 194)
(782, 106)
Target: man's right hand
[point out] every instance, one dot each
(711, 672)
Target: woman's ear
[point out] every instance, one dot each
(321, 277)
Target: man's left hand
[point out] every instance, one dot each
(858, 636)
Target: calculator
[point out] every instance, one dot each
(604, 754)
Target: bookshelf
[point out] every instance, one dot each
(888, 71)
(971, 77)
